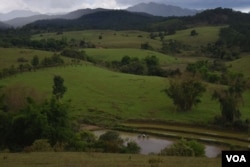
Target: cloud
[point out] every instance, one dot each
(52, 6)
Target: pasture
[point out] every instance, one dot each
(9, 56)
(205, 35)
(109, 38)
(102, 95)
(66, 159)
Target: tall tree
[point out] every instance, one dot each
(58, 88)
(185, 94)
(231, 99)
(35, 62)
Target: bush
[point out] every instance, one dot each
(132, 148)
(41, 145)
(185, 148)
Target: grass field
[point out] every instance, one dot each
(101, 160)
(205, 35)
(117, 54)
(134, 39)
(107, 94)
(241, 65)
(9, 56)
(110, 39)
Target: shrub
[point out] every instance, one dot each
(41, 145)
(185, 148)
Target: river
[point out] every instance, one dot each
(152, 144)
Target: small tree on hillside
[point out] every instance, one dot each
(185, 94)
(58, 88)
(231, 99)
(35, 62)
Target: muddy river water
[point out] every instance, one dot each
(152, 144)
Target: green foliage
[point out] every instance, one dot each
(80, 55)
(185, 148)
(132, 148)
(35, 62)
(111, 142)
(172, 46)
(41, 145)
(193, 33)
(231, 99)
(58, 88)
(185, 94)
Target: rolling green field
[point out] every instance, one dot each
(9, 56)
(67, 159)
(110, 39)
(205, 35)
(134, 39)
(107, 94)
(117, 54)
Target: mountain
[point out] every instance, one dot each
(109, 19)
(21, 21)
(161, 10)
(3, 25)
(81, 12)
(16, 13)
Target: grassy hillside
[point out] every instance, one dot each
(110, 39)
(117, 54)
(103, 95)
(9, 56)
(241, 65)
(102, 160)
(205, 35)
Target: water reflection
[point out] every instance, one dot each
(152, 144)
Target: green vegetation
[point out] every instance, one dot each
(185, 148)
(37, 115)
(185, 94)
(64, 159)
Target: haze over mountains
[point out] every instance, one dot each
(21, 18)
(161, 10)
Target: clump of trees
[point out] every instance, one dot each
(112, 142)
(230, 100)
(147, 66)
(185, 93)
(185, 148)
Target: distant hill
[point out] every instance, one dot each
(21, 21)
(109, 19)
(161, 10)
(16, 13)
(3, 25)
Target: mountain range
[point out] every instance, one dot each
(161, 10)
(21, 18)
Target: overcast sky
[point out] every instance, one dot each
(52, 6)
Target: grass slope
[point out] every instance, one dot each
(105, 95)
(101, 160)
(206, 34)
(117, 54)
(110, 39)
(9, 56)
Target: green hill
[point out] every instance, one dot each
(103, 95)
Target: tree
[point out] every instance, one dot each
(231, 99)
(111, 142)
(58, 88)
(193, 33)
(35, 62)
(185, 94)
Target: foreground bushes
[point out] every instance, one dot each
(185, 148)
